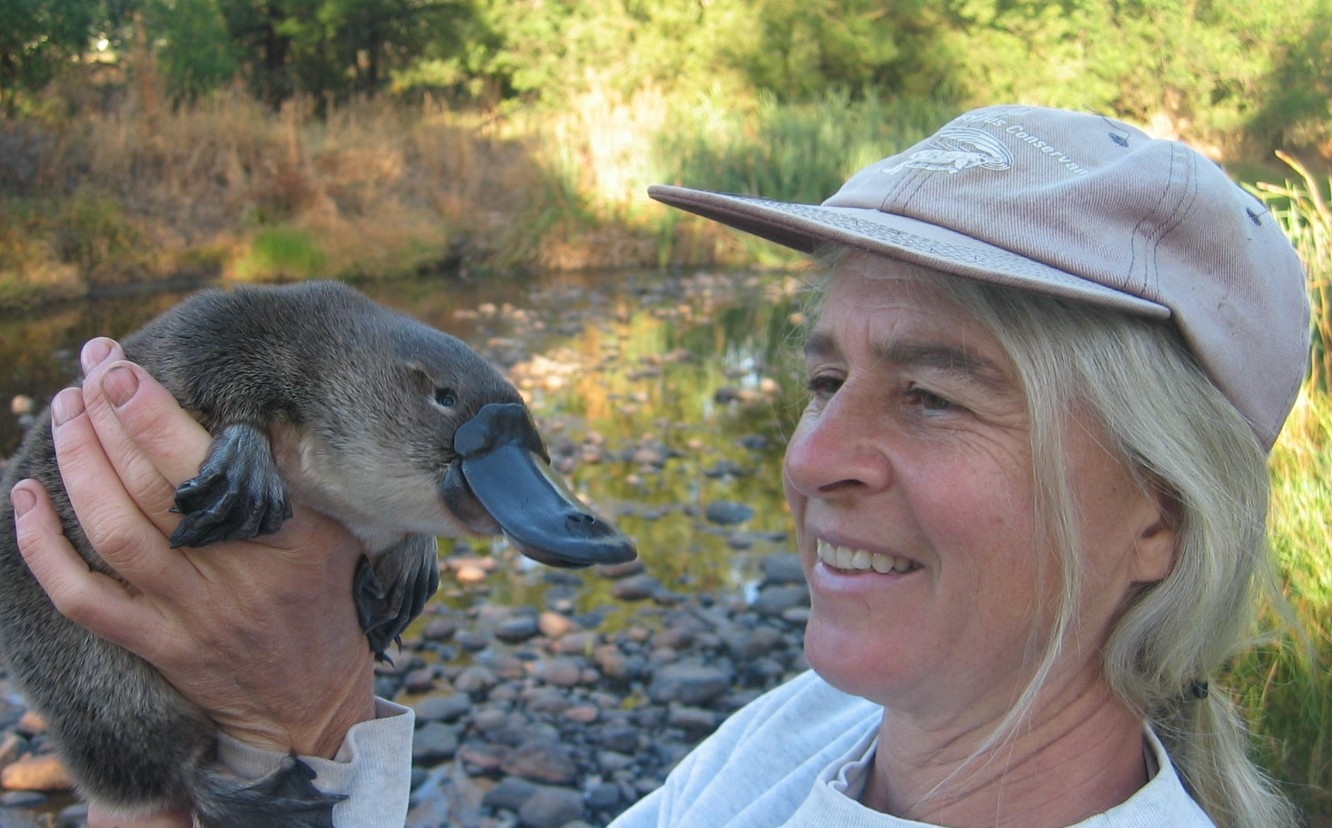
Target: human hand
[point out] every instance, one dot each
(261, 634)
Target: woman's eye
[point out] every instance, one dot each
(823, 386)
(930, 401)
(446, 397)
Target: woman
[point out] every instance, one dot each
(1029, 490)
(1030, 501)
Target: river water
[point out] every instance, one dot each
(665, 398)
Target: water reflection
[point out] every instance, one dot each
(659, 394)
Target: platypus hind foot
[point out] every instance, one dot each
(286, 798)
(392, 589)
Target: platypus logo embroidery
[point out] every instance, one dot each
(956, 149)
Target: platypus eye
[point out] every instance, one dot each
(446, 397)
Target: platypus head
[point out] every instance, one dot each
(492, 470)
(503, 468)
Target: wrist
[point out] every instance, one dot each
(312, 725)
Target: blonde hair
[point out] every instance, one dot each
(1184, 442)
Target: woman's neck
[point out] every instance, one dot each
(1078, 755)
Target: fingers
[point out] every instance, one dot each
(123, 444)
(110, 517)
(89, 598)
(151, 442)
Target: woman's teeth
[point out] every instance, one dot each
(841, 557)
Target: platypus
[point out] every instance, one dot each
(313, 393)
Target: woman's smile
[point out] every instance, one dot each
(844, 559)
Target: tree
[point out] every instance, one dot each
(332, 47)
(39, 38)
(195, 51)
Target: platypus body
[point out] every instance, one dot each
(315, 394)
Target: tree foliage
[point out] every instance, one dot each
(40, 37)
(1202, 66)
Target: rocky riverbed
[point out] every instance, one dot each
(558, 698)
(536, 716)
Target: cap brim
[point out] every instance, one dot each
(805, 227)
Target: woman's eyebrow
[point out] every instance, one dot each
(944, 357)
(919, 353)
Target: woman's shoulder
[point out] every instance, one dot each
(759, 765)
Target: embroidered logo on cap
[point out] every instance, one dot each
(955, 149)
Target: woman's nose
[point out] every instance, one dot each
(839, 450)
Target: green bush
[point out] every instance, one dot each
(278, 253)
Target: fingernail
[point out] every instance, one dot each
(94, 353)
(67, 405)
(23, 500)
(119, 384)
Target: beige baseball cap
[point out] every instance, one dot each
(1081, 206)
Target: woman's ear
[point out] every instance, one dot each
(1158, 537)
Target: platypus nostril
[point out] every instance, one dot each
(582, 518)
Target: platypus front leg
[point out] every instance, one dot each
(237, 494)
(393, 588)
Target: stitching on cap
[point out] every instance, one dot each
(1150, 230)
(1176, 217)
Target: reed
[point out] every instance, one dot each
(800, 152)
(1286, 681)
(1302, 209)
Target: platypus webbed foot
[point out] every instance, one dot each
(392, 589)
(237, 494)
(286, 798)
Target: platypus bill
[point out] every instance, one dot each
(312, 393)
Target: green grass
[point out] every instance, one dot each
(281, 253)
(1286, 683)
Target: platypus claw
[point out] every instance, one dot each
(237, 493)
(393, 589)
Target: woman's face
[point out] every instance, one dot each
(910, 479)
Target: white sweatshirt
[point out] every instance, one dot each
(799, 755)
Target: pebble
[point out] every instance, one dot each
(689, 682)
(433, 743)
(36, 772)
(517, 629)
(541, 761)
(443, 708)
(551, 808)
(728, 512)
(636, 588)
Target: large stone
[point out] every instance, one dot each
(443, 708)
(688, 682)
(776, 600)
(782, 568)
(551, 808)
(40, 772)
(433, 743)
(727, 512)
(542, 761)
